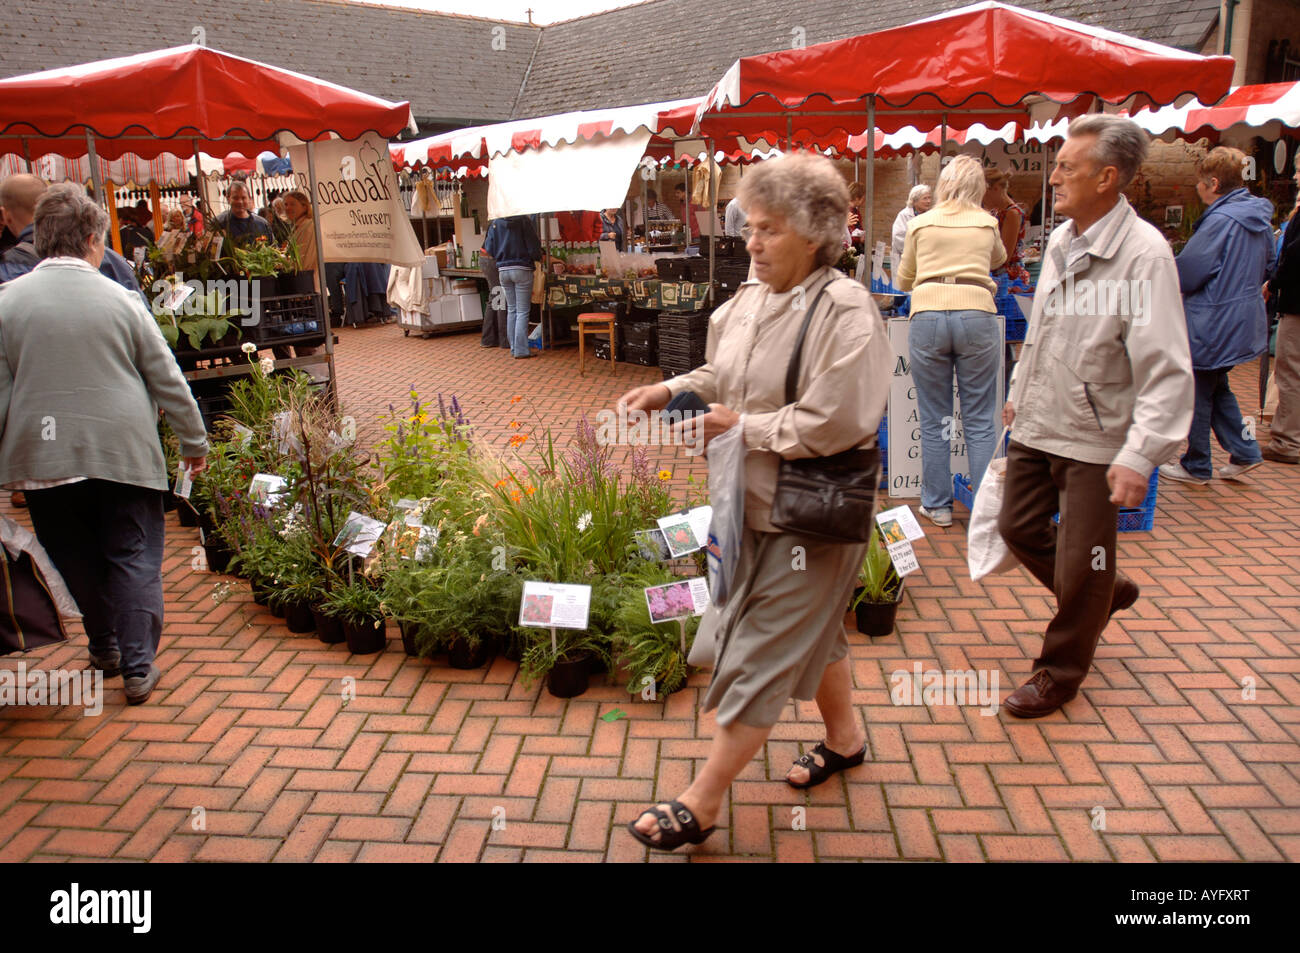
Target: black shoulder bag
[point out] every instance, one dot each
(829, 498)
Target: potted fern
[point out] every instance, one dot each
(650, 652)
(880, 590)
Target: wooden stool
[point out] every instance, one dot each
(595, 322)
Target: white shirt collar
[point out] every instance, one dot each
(1080, 244)
(65, 261)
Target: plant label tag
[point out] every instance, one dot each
(359, 534)
(552, 605)
(899, 524)
(652, 546)
(183, 482)
(903, 557)
(177, 296)
(244, 434)
(138, 254)
(677, 600)
(267, 488)
(686, 532)
(414, 512)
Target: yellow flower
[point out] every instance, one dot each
(665, 475)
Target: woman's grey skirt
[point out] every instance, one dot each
(782, 625)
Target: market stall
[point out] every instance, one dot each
(188, 100)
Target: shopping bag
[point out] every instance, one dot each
(986, 550)
(539, 283)
(727, 497)
(34, 602)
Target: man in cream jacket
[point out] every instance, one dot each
(1102, 395)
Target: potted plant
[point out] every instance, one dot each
(293, 280)
(650, 652)
(357, 605)
(880, 590)
(297, 582)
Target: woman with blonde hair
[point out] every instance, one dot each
(780, 634)
(948, 253)
(297, 209)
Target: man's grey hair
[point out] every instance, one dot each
(918, 192)
(809, 193)
(65, 222)
(241, 185)
(1120, 143)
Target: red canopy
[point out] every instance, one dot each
(188, 92)
(1263, 110)
(989, 63)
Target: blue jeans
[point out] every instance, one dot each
(938, 342)
(517, 282)
(106, 540)
(1216, 408)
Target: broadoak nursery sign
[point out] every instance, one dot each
(362, 217)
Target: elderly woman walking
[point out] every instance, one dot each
(83, 371)
(947, 257)
(780, 634)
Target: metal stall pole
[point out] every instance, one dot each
(713, 218)
(27, 154)
(868, 245)
(320, 272)
(204, 207)
(943, 137)
(1042, 215)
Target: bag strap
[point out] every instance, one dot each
(1001, 449)
(796, 359)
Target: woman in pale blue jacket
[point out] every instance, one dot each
(1220, 272)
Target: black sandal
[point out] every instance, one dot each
(832, 764)
(670, 838)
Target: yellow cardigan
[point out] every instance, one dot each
(951, 242)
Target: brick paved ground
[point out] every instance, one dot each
(249, 725)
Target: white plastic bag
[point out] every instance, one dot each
(986, 550)
(727, 497)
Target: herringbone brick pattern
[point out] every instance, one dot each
(430, 763)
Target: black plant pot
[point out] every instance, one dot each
(295, 283)
(596, 665)
(366, 637)
(409, 630)
(512, 649)
(876, 619)
(261, 592)
(169, 501)
(461, 655)
(569, 677)
(328, 627)
(277, 609)
(187, 514)
(298, 617)
(208, 525)
(218, 556)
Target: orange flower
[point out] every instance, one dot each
(514, 425)
(530, 490)
(499, 484)
(516, 399)
(518, 439)
(514, 495)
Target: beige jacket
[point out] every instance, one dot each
(1105, 375)
(947, 243)
(843, 382)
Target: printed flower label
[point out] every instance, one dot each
(686, 532)
(359, 534)
(550, 605)
(677, 600)
(267, 488)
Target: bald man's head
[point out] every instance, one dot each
(18, 195)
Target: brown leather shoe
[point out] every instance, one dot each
(1268, 453)
(1037, 697)
(1126, 593)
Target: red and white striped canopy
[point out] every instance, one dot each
(1262, 110)
(989, 63)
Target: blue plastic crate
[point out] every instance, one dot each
(961, 490)
(1138, 519)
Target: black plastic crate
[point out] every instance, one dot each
(725, 246)
(683, 269)
(285, 318)
(640, 332)
(601, 349)
(641, 354)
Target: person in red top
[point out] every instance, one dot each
(579, 226)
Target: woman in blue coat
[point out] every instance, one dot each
(1221, 271)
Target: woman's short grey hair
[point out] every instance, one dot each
(65, 222)
(1120, 143)
(918, 192)
(961, 183)
(809, 193)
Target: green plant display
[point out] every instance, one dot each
(879, 580)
